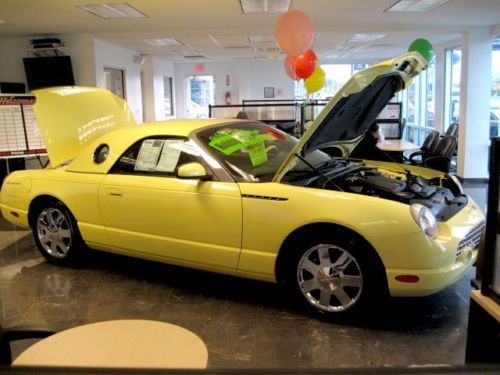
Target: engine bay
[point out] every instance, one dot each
(443, 196)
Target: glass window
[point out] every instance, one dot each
(452, 86)
(336, 76)
(158, 156)
(495, 89)
(419, 107)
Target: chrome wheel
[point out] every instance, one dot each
(330, 278)
(54, 232)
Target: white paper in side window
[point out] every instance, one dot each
(169, 156)
(148, 155)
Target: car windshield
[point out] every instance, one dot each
(253, 152)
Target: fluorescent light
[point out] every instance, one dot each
(113, 10)
(366, 37)
(415, 5)
(163, 42)
(264, 6)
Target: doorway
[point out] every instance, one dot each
(200, 94)
(115, 81)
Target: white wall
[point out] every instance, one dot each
(108, 55)
(12, 51)
(153, 70)
(247, 80)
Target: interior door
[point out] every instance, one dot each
(147, 209)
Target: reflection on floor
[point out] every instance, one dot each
(244, 323)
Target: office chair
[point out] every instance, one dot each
(7, 335)
(429, 145)
(452, 129)
(440, 158)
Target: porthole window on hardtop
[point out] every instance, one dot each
(101, 153)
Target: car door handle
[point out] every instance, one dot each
(114, 192)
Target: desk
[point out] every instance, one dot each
(396, 147)
(119, 344)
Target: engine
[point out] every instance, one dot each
(442, 195)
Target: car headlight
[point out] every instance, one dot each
(425, 219)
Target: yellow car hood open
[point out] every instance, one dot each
(71, 117)
(354, 108)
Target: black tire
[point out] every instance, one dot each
(349, 280)
(56, 234)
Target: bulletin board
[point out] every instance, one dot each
(19, 132)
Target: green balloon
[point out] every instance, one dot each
(424, 47)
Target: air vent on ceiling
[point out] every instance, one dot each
(163, 42)
(264, 6)
(269, 50)
(195, 57)
(254, 39)
(113, 10)
(237, 47)
(415, 5)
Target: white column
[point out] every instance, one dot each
(439, 93)
(475, 86)
(148, 89)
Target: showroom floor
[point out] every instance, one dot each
(244, 323)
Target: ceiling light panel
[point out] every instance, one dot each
(416, 5)
(366, 37)
(264, 6)
(163, 42)
(113, 10)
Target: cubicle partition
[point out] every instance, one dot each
(288, 115)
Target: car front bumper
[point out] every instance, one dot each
(419, 266)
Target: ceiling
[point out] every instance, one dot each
(217, 30)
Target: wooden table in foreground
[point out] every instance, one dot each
(119, 344)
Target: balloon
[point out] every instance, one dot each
(294, 32)
(316, 81)
(306, 64)
(424, 47)
(289, 65)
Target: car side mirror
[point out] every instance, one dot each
(193, 170)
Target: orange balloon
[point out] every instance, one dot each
(306, 64)
(289, 65)
(294, 32)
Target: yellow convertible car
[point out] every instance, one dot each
(242, 198)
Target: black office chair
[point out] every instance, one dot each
(428, 146)
(7, 335)
(440, 158)
(452, 129)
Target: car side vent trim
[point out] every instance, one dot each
(264, 197)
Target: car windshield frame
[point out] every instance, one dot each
(256, 174)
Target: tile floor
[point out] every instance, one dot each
(244, 323)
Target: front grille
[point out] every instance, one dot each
(472, 239)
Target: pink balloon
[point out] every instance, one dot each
(289, 65)
(294, 32)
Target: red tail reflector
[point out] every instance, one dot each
(407, 278)
(14, 213)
